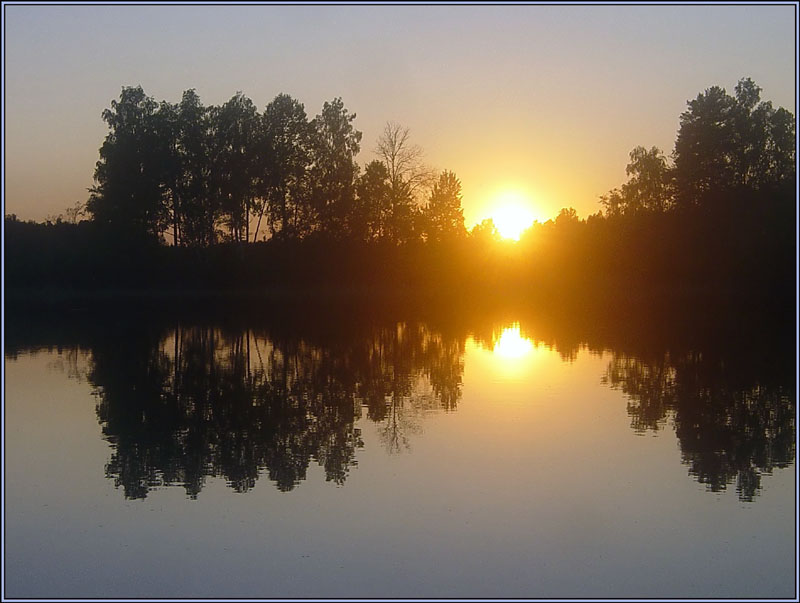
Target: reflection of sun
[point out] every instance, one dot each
(511, 215)
(511, 344)
(509, 356)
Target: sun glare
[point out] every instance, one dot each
(511, 343)
(511, 215)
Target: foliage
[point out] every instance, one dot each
(444, 218)
(195, 176)
(727, 142)
(374, 207)
(284, 176)
(129, 175)
(647, 188)
(334, 171)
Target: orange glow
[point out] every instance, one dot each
(511, 356)
(512, 344)
(512, 215)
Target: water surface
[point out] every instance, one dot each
(394, 458)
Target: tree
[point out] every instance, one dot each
(167, 156)
(374, 201)
(781, 146)
(647, 188)
(567, 217)
(127, 195)
(235, 159)
(613, 202)
(484, 232)
(407, 173)
(73, 213)
(705, 145)
(408, 177)
(285, 165)
(444, 217)
(727, 142)
(335, 143)
(199, 207)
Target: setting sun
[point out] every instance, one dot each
(511, 215)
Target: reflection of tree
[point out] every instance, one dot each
(189, 403)
(650, 387)
(411, 370)
(731, 425)
(72, 362)
(198, 402)
(444, 365)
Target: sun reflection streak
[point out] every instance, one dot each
(508, 355)
(511, 344)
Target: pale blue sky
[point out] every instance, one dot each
(547, 100)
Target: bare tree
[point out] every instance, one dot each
(408, 175)
(409, 180)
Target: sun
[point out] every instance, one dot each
(511, 215)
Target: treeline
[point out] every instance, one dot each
(726, 146)
(197, 175)
(715, 219)
(186, 195)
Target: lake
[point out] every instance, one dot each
(322, 455)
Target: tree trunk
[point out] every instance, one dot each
(247, 220)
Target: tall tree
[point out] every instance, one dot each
(444, 217)
(167, 160)
(236, 134)
(408, 177)
(727, 142)
(705, 145)
(374, 201)
(285, 165)
(335, 144)
(128, 193)
(199, 207)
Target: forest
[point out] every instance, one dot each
(189, 197)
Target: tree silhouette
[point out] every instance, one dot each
(485, 231)
(236, 160)
(408, 178)
(127, 195)
(408, 175)
(287, 137)
(200, 209)
(374, 207)
(444, 218)
(725, 142)
(334, 171)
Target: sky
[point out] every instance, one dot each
(541, 102)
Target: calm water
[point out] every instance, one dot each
(394, 459)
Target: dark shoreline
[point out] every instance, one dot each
(681, 318)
